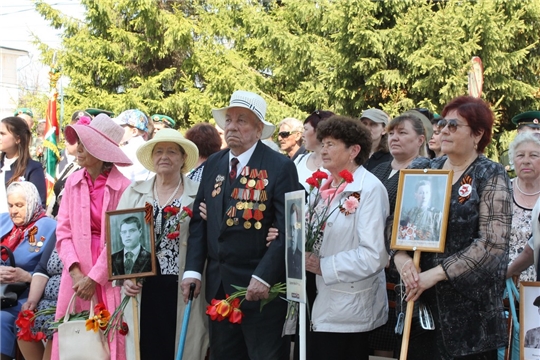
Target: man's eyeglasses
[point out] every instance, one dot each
(451, 123)
(286, 134)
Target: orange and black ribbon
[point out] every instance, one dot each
(148, 212)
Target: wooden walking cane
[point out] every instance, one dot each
(408, 316)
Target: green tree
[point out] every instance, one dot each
(182, 58)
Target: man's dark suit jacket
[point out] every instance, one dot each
(142, 264)
(294, 263)
(232, 253)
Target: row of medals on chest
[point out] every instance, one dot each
(250, 199)
(35, 246)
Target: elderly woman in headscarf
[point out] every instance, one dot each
(88, 194)
(24, 230)
(170, 156)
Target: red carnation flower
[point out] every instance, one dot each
(173, 235)
(188, 211)
(346, 175)
(312, 182)
(320, 175)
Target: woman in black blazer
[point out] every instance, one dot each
(15, 161)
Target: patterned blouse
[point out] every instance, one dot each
(468, 309)
(521, 232)
(167, 250)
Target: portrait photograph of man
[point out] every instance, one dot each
(294, 243)
(130, 246)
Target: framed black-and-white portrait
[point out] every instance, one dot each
(295, 245)
(130, 244)
(421, 214)
(529, 320)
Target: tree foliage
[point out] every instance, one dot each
(183, 57)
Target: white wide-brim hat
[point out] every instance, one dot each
(100, 138)
(144, 153)
(250, 101)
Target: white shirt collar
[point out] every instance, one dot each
(243, 158)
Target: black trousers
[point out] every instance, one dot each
(342, 346)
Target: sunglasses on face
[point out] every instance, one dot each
(286, 134)
(451, 123)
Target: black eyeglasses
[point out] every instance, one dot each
(286, 134)
(451, 123)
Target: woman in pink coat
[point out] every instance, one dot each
(88, 194)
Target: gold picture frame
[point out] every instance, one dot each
(421, 213)
(529, 320)
(132, 229)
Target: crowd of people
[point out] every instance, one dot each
(228, 185)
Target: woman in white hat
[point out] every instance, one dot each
(88, 194)
(170, 156)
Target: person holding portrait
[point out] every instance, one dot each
(26, 231)
(464, 285)
(88, 194)
(349, 259)
(171, 157)
(231, 243)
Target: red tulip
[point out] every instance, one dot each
(124, 329)
(224, 308)
(236, 316)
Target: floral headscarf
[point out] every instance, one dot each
(34, 212)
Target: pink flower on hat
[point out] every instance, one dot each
(84, 120)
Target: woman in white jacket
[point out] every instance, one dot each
(350, 257)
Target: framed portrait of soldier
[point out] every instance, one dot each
(130, 244)
(529, 320)
(421, 213)
(295, 245)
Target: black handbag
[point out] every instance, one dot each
(9, 293)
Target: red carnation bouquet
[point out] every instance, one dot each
(319, 208)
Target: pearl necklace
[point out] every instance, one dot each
(524, 193)
(159, 217)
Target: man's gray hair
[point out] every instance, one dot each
(292, 123)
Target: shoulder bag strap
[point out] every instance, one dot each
(10, 255)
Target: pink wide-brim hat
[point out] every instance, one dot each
(101, 139)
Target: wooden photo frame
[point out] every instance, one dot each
(421, 214)
(529, 320)
(295, 239)
(130, 228)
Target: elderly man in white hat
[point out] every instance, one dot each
(244, 188)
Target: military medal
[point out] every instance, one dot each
(240, 205)
(217, 185)
(258, 215)
(262, 207)
(247, 225)
(244, 173)
(231, 213)
(32, 239)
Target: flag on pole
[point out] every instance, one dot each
(52, 135)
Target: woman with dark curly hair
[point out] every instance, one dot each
(350, 256)
(464, 285)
